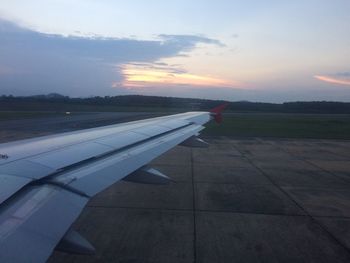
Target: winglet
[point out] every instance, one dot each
(217, 112)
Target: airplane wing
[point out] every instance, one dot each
(45, 182)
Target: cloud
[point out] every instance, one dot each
(342, 78)
(150, 75)
(188, 41)
(78, 66)
(157, 66)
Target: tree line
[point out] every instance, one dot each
(57, 102)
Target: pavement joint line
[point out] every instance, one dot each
(250, 213)
(337, 154)
(201, 210)
(334, 188)
(231, 183)
(332, 217)
(194, 209)
(142, 208)
(324, 170)
(310, 163)
(336, 240)
(340, 188)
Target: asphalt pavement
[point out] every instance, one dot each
(240, 200)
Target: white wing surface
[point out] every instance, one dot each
(45, 182)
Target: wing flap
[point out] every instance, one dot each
(71, 155)
(26, 168)
(121, 140)
(10, 184)
(98, 175)
(35, 221)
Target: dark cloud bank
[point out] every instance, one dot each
(33, 62)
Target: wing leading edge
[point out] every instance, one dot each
(47, 181)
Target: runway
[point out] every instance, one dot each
(240, 200)
(21, 129)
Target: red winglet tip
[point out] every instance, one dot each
(216, 112)
(219, 109)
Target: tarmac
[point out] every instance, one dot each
(240, 200)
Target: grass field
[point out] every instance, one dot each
(315, 126)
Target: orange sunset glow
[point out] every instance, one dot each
(140, 76)
(333, 80)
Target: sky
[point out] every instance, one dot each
(269, 51)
